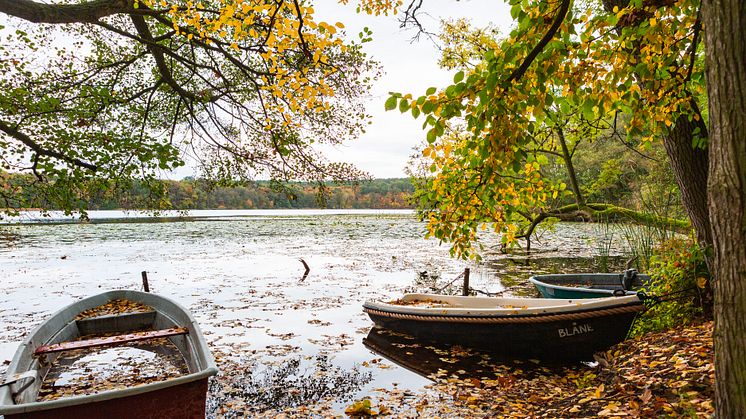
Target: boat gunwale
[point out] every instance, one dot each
(570, 307)
(601, 291)
(209, 369)
(536, 280)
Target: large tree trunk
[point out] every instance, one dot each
(725, 24)
(690, 166)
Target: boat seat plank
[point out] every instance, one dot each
(122, 323)
(110, 340)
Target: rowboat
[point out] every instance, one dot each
(589, 285)
(118, 335)
(518, 327)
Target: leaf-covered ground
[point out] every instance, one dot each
(662, 374)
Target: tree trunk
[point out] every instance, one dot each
(726, 89)
(570, 168)
(690, 167)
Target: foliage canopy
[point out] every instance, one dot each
(245, 88)
(639, 60)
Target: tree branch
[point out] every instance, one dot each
(156, 50)
(39, 150)
(87, 12)
(518, 72)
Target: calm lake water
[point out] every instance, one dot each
(239, 272)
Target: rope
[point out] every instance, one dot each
(653, 300)
(487, 293)
(507, 319)
(450, 283)
(662, 297)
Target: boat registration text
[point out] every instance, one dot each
(574, 330)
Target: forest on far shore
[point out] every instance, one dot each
(192, 193)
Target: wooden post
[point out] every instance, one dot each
(145, 285)
(305, 265)
(308, 269)
(466, 282)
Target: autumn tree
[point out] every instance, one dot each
(642, 58)
(98, 94)
(549, 77)
(726, 89)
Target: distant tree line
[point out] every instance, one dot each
(192, 193)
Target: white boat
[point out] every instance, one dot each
(518, 327)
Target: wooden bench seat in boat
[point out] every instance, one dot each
(110, 340)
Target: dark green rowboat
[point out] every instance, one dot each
(589, 285)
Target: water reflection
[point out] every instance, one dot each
(89, 371)
(243, 389)
(428, 359)
(436, 360)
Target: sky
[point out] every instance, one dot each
(408, 67)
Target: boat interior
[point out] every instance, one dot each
(594, 281)
(73, 334)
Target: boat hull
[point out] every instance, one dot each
(183, 401)
(567, 336)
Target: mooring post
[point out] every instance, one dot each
(466, 282)
(145, 285)
(305, 265)
(308, 269)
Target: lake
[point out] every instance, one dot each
(281, 340)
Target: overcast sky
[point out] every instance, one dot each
(408, 68)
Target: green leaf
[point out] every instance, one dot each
(403, 105)
(515, 10)
(588, 112)
(415, 112)
(427, 107)
(458, 77)
(432, 134)
(431, 91)
(390, 103)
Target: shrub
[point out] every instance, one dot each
(677, 265)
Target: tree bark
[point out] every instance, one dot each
(725, 33)
(86, 12)
(690, 168)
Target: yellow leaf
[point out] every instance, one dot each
(360, 408)
(599, 391)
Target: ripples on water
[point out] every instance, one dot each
(240, 276)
